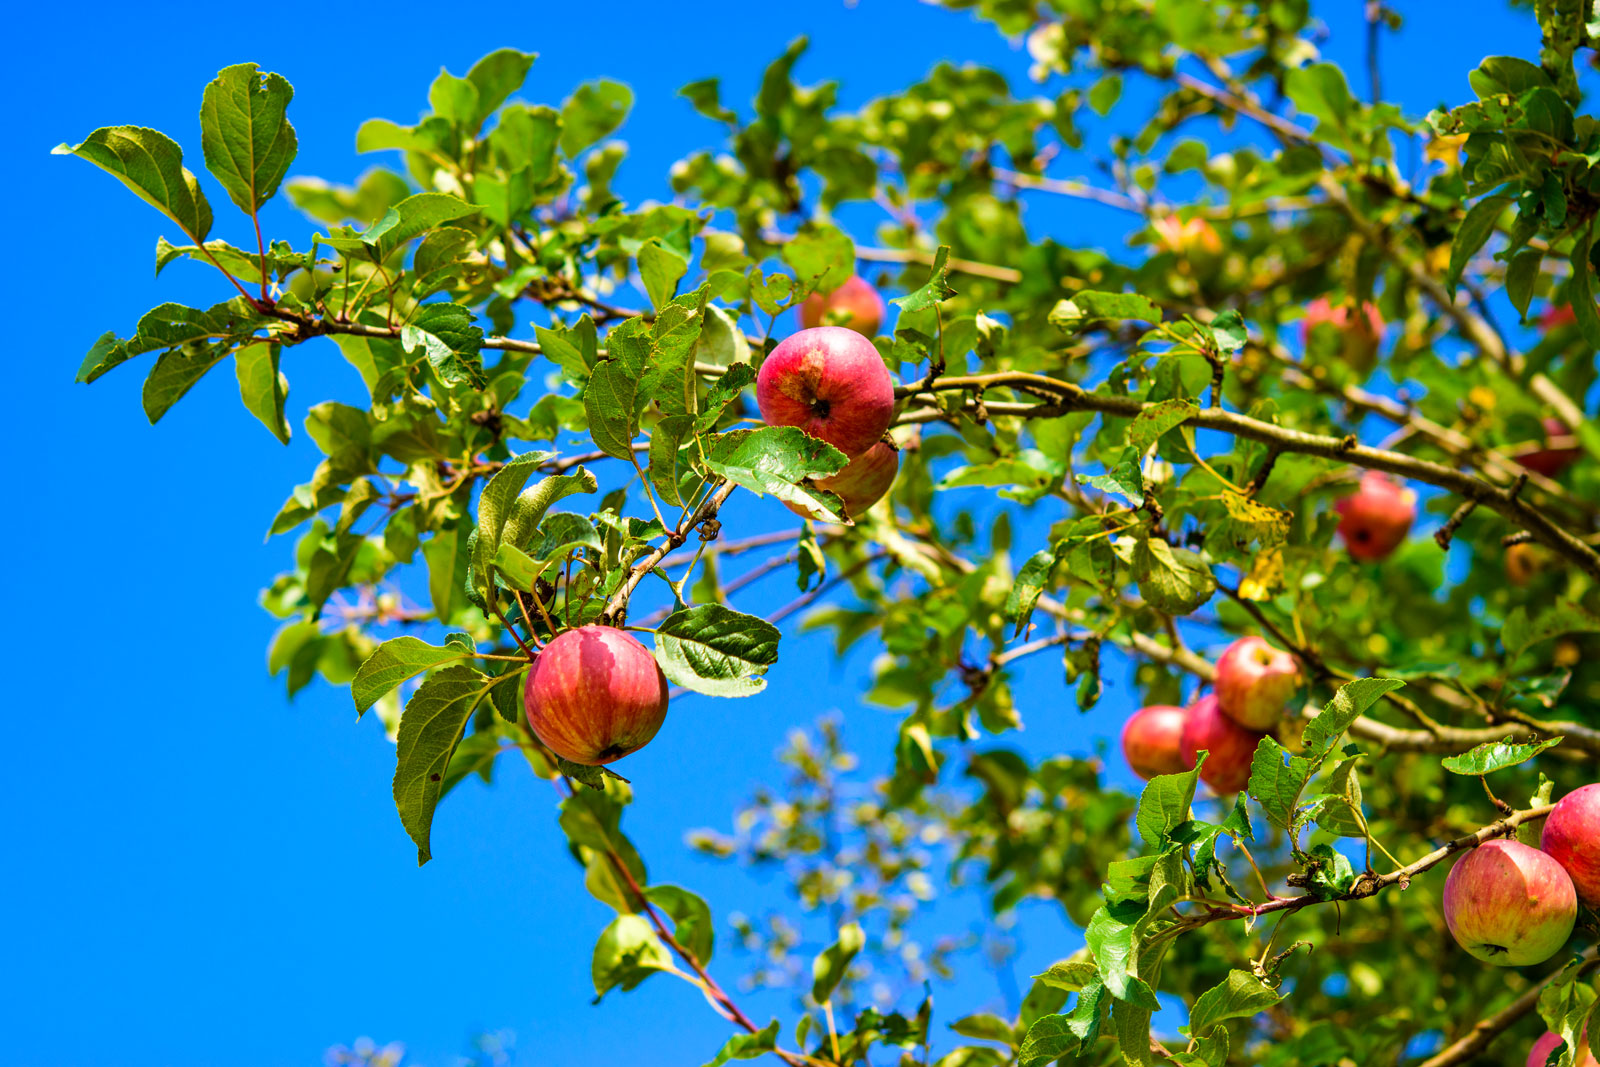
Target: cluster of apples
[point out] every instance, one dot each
(595, 694)
(1513, 905)
(1254, 684)
(830, 382)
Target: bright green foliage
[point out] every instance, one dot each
(1122, 459)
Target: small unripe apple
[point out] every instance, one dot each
(1359, 333)
(1508, 904)
(1572, 838)
(831, 383)
(1551, 461)
(861, 484)
(1254, 682)
(855, 305)
(1376, 517)
(594, 695)
(1231, 746)
(1524, 561)
(1539, 1054)
(1152, 741)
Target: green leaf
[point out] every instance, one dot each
(495, 506)
(1348, 704)
(691, 919)
(748, 1046)
(1104, 93)
(1229, 330)
(1089, 307)
(665, 441)
(1155, 420)
(1475, 229)
(1172, 580)
(401, 658)
(1580, 290)
(1164, 805)
(151, 164)
(1111, 940)
(822, 256)
(531, 504)
(446, 555)
(1522, 275)
(627, 953)
(516, 569)
(1027, 588)
(831, 966)
(1320, 90)
(1055, 1036)
(262, 388)
(430, 727)
(661, 268)
(1519, 633)
(449, 340)
(1240, 995)
(715, 650)
(1068, 975)
(247, 141)
(776, 459)
(594, 110)
(107, 352)
(175, 373)
(935, 290)
(608, 401)
(564, 532)
(1124, 479)
(411, 217)
(1277, 784)
(1494, 756)
(724, 391)
(985, 1027)
(495, 77)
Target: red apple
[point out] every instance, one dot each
(1556, 316)
(1572, 838)
(1152, 741)
(1230, 745)
(1551, 461)
(594, 695)
(1508, 904)
(1254, 682)
(861, 484)
(855, 305)
(1376, 517)
(1360, 332)
(830, 382)
(1539, 1054)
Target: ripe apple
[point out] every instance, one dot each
(594, 695)
(1376, 517)
(1193, 239)
(1556, 316)
(1230, 745)
(831, 383)
(1539, 1054)
(1551, 461)
(855, 305)
(1360, 332)
(1524, 561)
(1152, 741)
(1508, 904)
(1254, 682)
(1572, 838)
(861, 484)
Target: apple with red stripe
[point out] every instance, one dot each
(1509, 904)
(595, 694)
(831, 383)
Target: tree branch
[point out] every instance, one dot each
(1487, 1029)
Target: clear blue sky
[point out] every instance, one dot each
(199, 872)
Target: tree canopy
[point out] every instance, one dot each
(1108, 457)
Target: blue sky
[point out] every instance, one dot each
(199, 871)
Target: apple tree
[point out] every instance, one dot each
(1202, 461)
